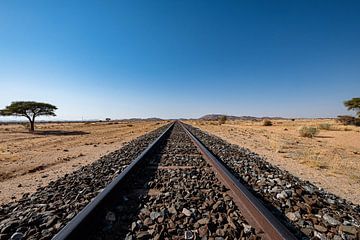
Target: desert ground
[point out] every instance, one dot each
(330, 160)
(29, 161)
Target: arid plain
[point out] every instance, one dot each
(29, 161)
(330, 160)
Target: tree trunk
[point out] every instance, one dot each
(32, 128)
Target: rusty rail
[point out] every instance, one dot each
(267, 225)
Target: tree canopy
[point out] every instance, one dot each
(29, 109)
(353, 104)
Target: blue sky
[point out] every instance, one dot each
(172, 59)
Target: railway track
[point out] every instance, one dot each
(175, 189)
(167, 185)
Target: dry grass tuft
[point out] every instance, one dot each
(309, 132)
(325, 126)
(267, 123)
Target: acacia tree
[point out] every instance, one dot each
(30, 110)
(353, 104)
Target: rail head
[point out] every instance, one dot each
(77, 224)
(254, 211)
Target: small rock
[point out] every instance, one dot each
(145, 211)
(160, 219)
(281, 195)
(172, 210)
(307, 231)
(142, 234)
(189, 235)
(217, 205)
(50, 221)
(332, 221)
(348, 229)
(337, 237)
(154, 215)
(320, 228)
(320, 236)
(17, 236)
(309, 189)
(203, 231)
(292, 216)
(220, 232)
(110, 217)
(247, 228)
(148, 221)
(129, 237)
(70, 216)
(274, 189)
(187, 212)
(58, 226)
(164, 212)
(203, 221)
(133, 226)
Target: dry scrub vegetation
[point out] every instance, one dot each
(32, 160)
(330, 157)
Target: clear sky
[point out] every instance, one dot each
(172, 59)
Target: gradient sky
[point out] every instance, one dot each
(172, 59)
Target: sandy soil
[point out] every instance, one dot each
(29, 161)
(331, 160)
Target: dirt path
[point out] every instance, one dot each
(29, 161)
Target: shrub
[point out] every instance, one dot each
(346, 120)
(324, 126)
(222, 119)
(357, 122)
(267, 123)
(308, 131)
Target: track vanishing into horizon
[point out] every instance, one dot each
(180, 183)
(175, 190)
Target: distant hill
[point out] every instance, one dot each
(144, 119)
(210, 117)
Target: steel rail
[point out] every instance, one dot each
(253, 210)
(81, 222)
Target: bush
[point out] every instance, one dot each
(308, 131)
(346, 120)
(324, 126)
(267, 123)
(222, 119)
(357, 122)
